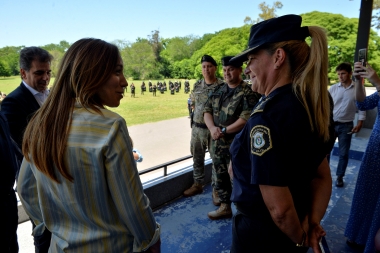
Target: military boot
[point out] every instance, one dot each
(215, 198)
(195, 189)
(223, 212)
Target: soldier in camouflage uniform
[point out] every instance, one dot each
(226, 112)
(200, 135)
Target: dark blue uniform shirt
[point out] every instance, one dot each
(276, 147)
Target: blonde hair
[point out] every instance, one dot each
(85, 67)
(309, 69)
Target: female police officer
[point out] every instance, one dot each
(281, 178)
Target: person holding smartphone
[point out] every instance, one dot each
(343, 95)
(364, 220)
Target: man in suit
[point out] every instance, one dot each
(8, 203)
(20, 105)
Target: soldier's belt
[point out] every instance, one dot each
(200, 125)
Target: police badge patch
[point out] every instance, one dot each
(261, 141)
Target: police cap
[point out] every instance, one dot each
(284, 28)
(208, 58)
(226, 62)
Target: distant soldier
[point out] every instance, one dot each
(179, 82)
(165, 88)
(154, 90)
(159, 86)
(143, 88)
(225, 113)
(126, 87)
(200, 135)
(150, 87)
(172, 91)
(187, 86)
(132, 90)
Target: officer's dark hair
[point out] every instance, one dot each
(30, 54)
(344, 66)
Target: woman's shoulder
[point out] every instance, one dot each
(103, 117)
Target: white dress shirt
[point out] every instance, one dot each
(344, 103)
(39, 96)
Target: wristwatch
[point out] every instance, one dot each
(224, 130)
(302, 244)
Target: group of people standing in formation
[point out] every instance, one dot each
(269, 141)
(161, 86)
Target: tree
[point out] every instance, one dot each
(342, 33)
(4, 69)
(267, 12)
(155, 42)
(10, 56)
(229, 41)
(139, 60)
(376, 17)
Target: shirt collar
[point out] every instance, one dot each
(349, 87)
(33, 91)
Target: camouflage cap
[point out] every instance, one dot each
(208, 58)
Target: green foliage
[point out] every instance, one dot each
(179, 57)
(10, 57)
(229, 41)
(4, 69)
(139, 59)
(342, 33)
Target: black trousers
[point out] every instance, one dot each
(8, 232)
(42, 242)
(255, 234)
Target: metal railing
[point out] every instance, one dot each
(165, 165)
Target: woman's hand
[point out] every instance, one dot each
(366, 72)
(315, 234)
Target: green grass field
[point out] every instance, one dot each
(139, 110)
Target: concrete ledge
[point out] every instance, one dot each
(165, 189)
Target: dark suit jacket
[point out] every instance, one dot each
(18, 107)
(7, 158)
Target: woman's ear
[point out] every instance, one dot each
(279, 57)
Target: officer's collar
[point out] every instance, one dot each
(278, 90)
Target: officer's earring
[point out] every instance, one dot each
(276, 67)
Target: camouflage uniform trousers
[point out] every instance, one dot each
(200, 141)
(221, 180)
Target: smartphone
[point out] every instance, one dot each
(362, 56)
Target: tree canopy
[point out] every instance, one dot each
(155, 57)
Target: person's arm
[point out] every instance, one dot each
(216, 132)
(280, 204)
(321, 192)
(236, 126)
(27, 191)
(126, 189)
(364, 72)
(357, 128)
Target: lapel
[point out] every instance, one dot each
(29, 99)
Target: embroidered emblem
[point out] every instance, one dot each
(260, 105)
(261, 140)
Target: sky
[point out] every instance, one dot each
(41, 22)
